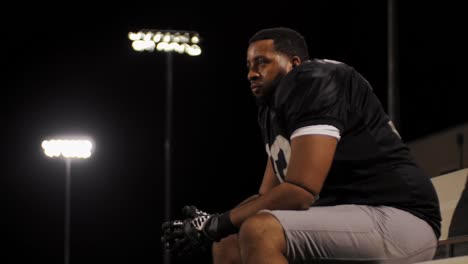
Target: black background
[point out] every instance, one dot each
(70, 69)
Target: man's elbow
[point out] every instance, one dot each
(302, 197)
(304, 200)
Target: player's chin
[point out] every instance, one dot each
(262, 93)
(259, 96)
(257, 92)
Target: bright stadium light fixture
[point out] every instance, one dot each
(148, 39)
(169, 42)
(68, 149)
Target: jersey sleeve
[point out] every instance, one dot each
(314, 97)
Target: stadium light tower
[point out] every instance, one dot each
(68, 149)
(168, 41)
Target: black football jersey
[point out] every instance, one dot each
(372, 165)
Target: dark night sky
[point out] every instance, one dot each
(71, 70)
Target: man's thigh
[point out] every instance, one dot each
(355, 234)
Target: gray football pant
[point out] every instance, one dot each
(356, 234)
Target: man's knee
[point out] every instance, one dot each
(262, 228)
(226, 251)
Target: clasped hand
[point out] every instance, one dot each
(196, 232)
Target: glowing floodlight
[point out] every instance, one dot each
(68, 148)
(166, 41)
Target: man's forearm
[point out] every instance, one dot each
(282, 197)
(248, 200)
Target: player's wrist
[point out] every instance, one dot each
(220, 226)
(226, 226)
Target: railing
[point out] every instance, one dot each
(450, 244)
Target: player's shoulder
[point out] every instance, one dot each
(317, 68)
(315, 72)
(316, 80)
(314, 75)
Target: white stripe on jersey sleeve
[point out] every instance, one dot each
(317, 130)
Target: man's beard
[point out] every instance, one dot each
(269, 92)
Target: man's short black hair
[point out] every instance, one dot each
(285, 40)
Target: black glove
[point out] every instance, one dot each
(196, 232)
(172, 232)
(177, 234)
(191, 211)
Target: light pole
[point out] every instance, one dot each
(68, 149)
(168, 41)
(393, 91)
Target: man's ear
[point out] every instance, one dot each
(295, 61)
